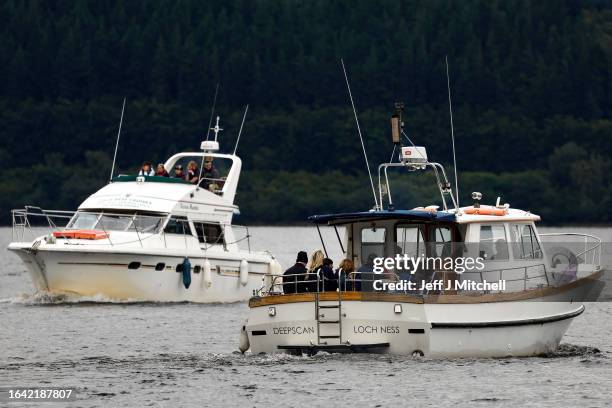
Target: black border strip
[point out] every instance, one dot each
(452, 325)
(336, 347)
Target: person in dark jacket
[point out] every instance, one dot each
(296, 273)
(328, 281)
(366, 275)
(211, 178)
(178, 172)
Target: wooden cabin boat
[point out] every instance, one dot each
(518, 296)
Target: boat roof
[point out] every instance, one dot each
(512, 214)
(452, 215)
(154, 195)
(416, 215)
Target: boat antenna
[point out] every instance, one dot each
(212, 112)
(246, 109)
(365, 155)
(450, 111)
(117, 143)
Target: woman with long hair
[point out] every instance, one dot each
(346, 275)
(316, 262)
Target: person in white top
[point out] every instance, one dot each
(146, 169)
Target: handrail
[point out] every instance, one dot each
(595, 249)
(302, 283)
(21, 224)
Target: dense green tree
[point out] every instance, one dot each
(531, 86)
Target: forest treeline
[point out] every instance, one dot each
(531, 84)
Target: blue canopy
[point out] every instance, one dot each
(415, 215)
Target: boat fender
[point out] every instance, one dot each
(243, 343)
(207, 274)
(244, 272)
(186, 273)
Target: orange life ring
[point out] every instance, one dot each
(486, 211)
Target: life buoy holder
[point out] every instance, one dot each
(486, 211)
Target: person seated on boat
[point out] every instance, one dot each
(310, 282)
(178, 172)
(211, 179)
(346, 275)
(193, 173)
(146, 169)
(161, 171)
(328, 282)
(366, 274)
(295, 274)
(501, 250)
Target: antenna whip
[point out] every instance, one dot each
(117, 144)
(365, 155)
(450, 111)
(246, 109)
(212, 112)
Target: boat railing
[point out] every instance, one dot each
(514, 279)
(517, 279)
(31, 222)
(246, 238)
(25, 220)
(585, 248)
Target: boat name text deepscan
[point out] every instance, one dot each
(293, 330)
(412, 263)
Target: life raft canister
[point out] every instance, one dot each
(186, 273)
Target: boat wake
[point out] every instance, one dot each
(572, 350)
(214, 361)
(53, 298)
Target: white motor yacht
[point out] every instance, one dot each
(148, 238)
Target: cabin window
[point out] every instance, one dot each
(524, 242)
(209, 233)
(409, 240)
(146, 224)
(372, 244)
(114, 222)
(493, 243)
(83, 220)
(441, 242)
(128, 221)
(177, 225)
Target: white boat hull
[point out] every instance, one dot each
(500, 329)
(106, 274)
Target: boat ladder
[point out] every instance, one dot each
(329, 320)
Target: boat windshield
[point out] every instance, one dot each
(107, 221)
(214, 170)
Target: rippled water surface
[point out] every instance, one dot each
(168, 355)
